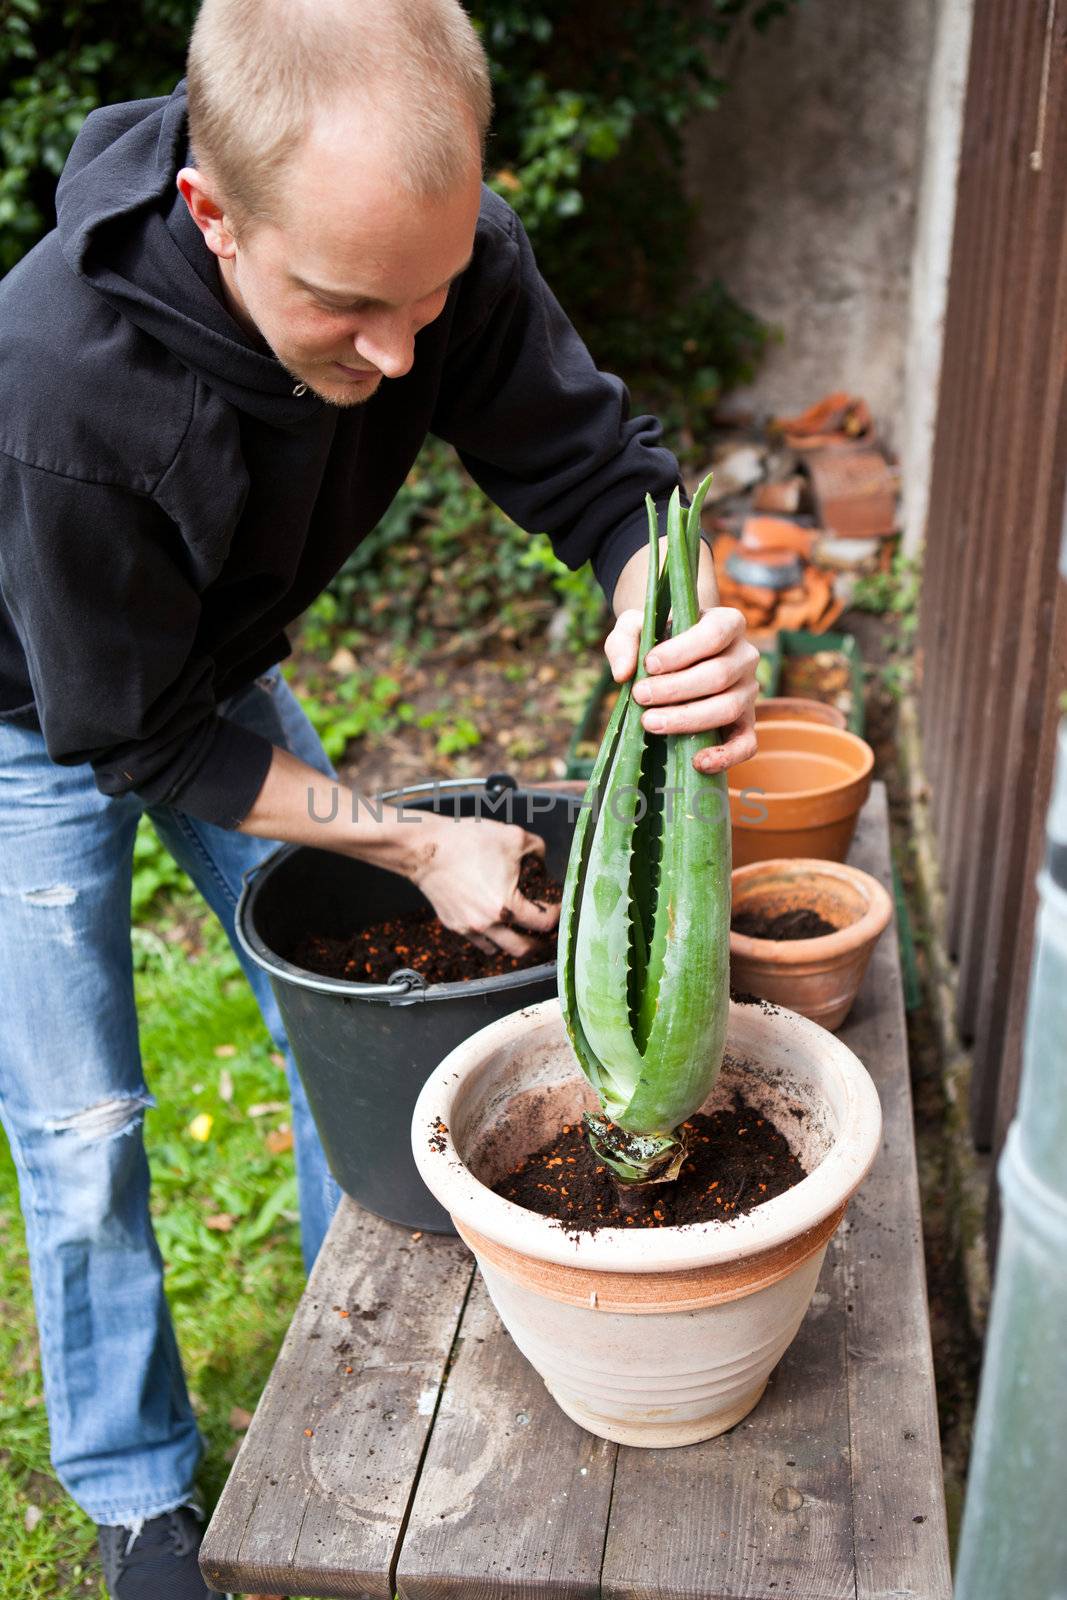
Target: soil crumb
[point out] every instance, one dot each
(742, 997)
(420, 940)
(799, 922)
(737, 1160)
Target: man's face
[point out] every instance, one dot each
(353, 267)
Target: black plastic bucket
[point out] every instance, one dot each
(364, 1050)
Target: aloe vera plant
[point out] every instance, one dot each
(644, 942)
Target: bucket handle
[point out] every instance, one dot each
(257, 866)
(495, 784)
(411, 984)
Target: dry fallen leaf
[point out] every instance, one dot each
(225, 1051)
(240, 1419)
(220, 1222)
(279, 1140)
(267, 1107)
(31, 1517)
(226, 1085)
(277, 1058)
(343, 661)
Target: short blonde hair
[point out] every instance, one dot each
(259, 70)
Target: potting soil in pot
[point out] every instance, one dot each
(737, 1160)
(421, 941)
(799, 922)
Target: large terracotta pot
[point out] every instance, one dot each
(817, 977)
(794, 708)
(800, 794)
(647, 1336)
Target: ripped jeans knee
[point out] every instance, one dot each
(114, 1118)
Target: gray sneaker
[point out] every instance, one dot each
(156, 1561)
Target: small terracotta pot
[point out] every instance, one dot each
(817, 977)
(800, 794)
(786, 708)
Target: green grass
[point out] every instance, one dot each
(232, 1293)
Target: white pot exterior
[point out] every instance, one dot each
(658, 1336)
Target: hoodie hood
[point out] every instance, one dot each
(124, 228)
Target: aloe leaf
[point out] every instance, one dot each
(687, 1033)
(572, 895)
(644, 929)
(603, 948)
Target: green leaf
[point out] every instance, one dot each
(644, 932)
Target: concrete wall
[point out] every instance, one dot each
(931, 260)
(809, 175)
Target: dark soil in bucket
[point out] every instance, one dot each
(421, 941)
(799, 922)
(737, 1160)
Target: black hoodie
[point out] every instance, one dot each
(169, 502)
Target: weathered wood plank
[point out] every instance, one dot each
(897, 1487)
(763, 1511)
(513, 1499)
(320, 1490)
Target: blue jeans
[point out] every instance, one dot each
(72, 1098)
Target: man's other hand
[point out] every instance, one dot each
(469, 871)
(702, 679)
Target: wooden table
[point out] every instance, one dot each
(407, 1448)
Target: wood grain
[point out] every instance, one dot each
(897, 1487)
(763, 1511)
(320, 1490)
(513, 1499)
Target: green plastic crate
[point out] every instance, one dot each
(799, 642)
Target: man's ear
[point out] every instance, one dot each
(206, 211)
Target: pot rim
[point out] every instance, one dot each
(693, 1245)
(771, 702)
(822, 729)
(843, 941)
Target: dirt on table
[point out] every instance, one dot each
(799, 922)
(419, 940)
(737, 1160)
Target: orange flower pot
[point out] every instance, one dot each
(793, 708)
(800, 794)
(817, 977)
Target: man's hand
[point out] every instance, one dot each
(703, 679)
(469, 871)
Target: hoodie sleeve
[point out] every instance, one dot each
(543, 431)
(92, 577)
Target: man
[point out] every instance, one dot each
(261, 294)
